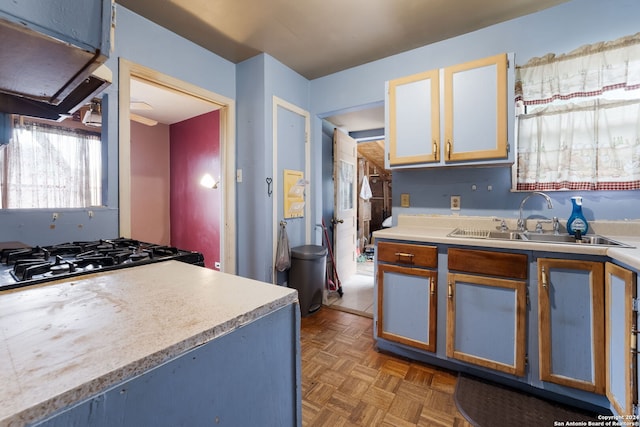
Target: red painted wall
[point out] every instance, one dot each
(195, 210)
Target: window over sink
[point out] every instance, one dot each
(50, 166)
(579, 121)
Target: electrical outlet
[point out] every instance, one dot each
(455, 203)
(404, 200)
(217, 265)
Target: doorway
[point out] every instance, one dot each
(128, 72)
(366, 125)
(373, 214)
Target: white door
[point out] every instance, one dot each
(345, 208)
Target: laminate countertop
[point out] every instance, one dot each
(435, 229)
(64, 341)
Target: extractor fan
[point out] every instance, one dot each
(140, 106)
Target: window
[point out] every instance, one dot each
(48, 166)
(581, 129)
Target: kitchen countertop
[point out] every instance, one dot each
(64, 341)
(434, 229)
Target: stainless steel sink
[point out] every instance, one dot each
(590, 239)
(506, 235)
(550, 238)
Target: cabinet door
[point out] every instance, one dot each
(571, 323)
(620, 289)
(486, 322)
(475, 110)
(407, 301)
(414, 119)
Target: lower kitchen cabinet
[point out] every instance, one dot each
(621, 357)
(583, 317)
(571, 329)
(486, 315)
(407, 294)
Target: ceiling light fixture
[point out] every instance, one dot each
(93, 117)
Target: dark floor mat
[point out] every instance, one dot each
(487, 404)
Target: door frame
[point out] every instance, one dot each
(279, 102)
(127, 70)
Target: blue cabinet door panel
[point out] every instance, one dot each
(571, 323)
(621, 385)
(486, 322)
(486, 310)
(406, 306)
(571, 330)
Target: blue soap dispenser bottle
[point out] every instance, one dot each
(577, 221)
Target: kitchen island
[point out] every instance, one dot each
(160, 344)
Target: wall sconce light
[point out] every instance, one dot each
(208, 181)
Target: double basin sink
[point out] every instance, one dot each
(589, 239)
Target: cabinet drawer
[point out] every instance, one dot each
(408, 254)
(498, 264)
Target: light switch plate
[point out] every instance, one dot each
(455, 203)
(404, 200)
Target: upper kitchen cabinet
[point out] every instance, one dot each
(50, 50)
(454, 116)
(414, 119)
(475, 110)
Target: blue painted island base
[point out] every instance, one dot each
(249, 377)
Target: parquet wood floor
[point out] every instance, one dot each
(346, 382)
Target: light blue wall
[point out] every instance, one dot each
(254, 82)
(559, 29)
(141, 41)
(259, 79)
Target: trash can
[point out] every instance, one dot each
(307, 275)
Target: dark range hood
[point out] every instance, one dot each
(41, 76)
(82, 94)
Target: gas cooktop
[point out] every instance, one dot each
(20, 266)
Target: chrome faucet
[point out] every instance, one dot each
(522, 226)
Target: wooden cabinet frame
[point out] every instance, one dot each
(622, 404)
(451, 153)
(519, 349)
(432, 276)
(474, 108)
(545, 306)
(431, 152)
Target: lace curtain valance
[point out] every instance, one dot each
(586, 71)
(581, 130)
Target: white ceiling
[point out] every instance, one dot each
(165, 105)
(368, 119)
(320, 37)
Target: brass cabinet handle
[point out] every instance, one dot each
(400, 255)
(435, 149)
(544, 278)
(450, 290)
(433, 288)
(448, 149)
